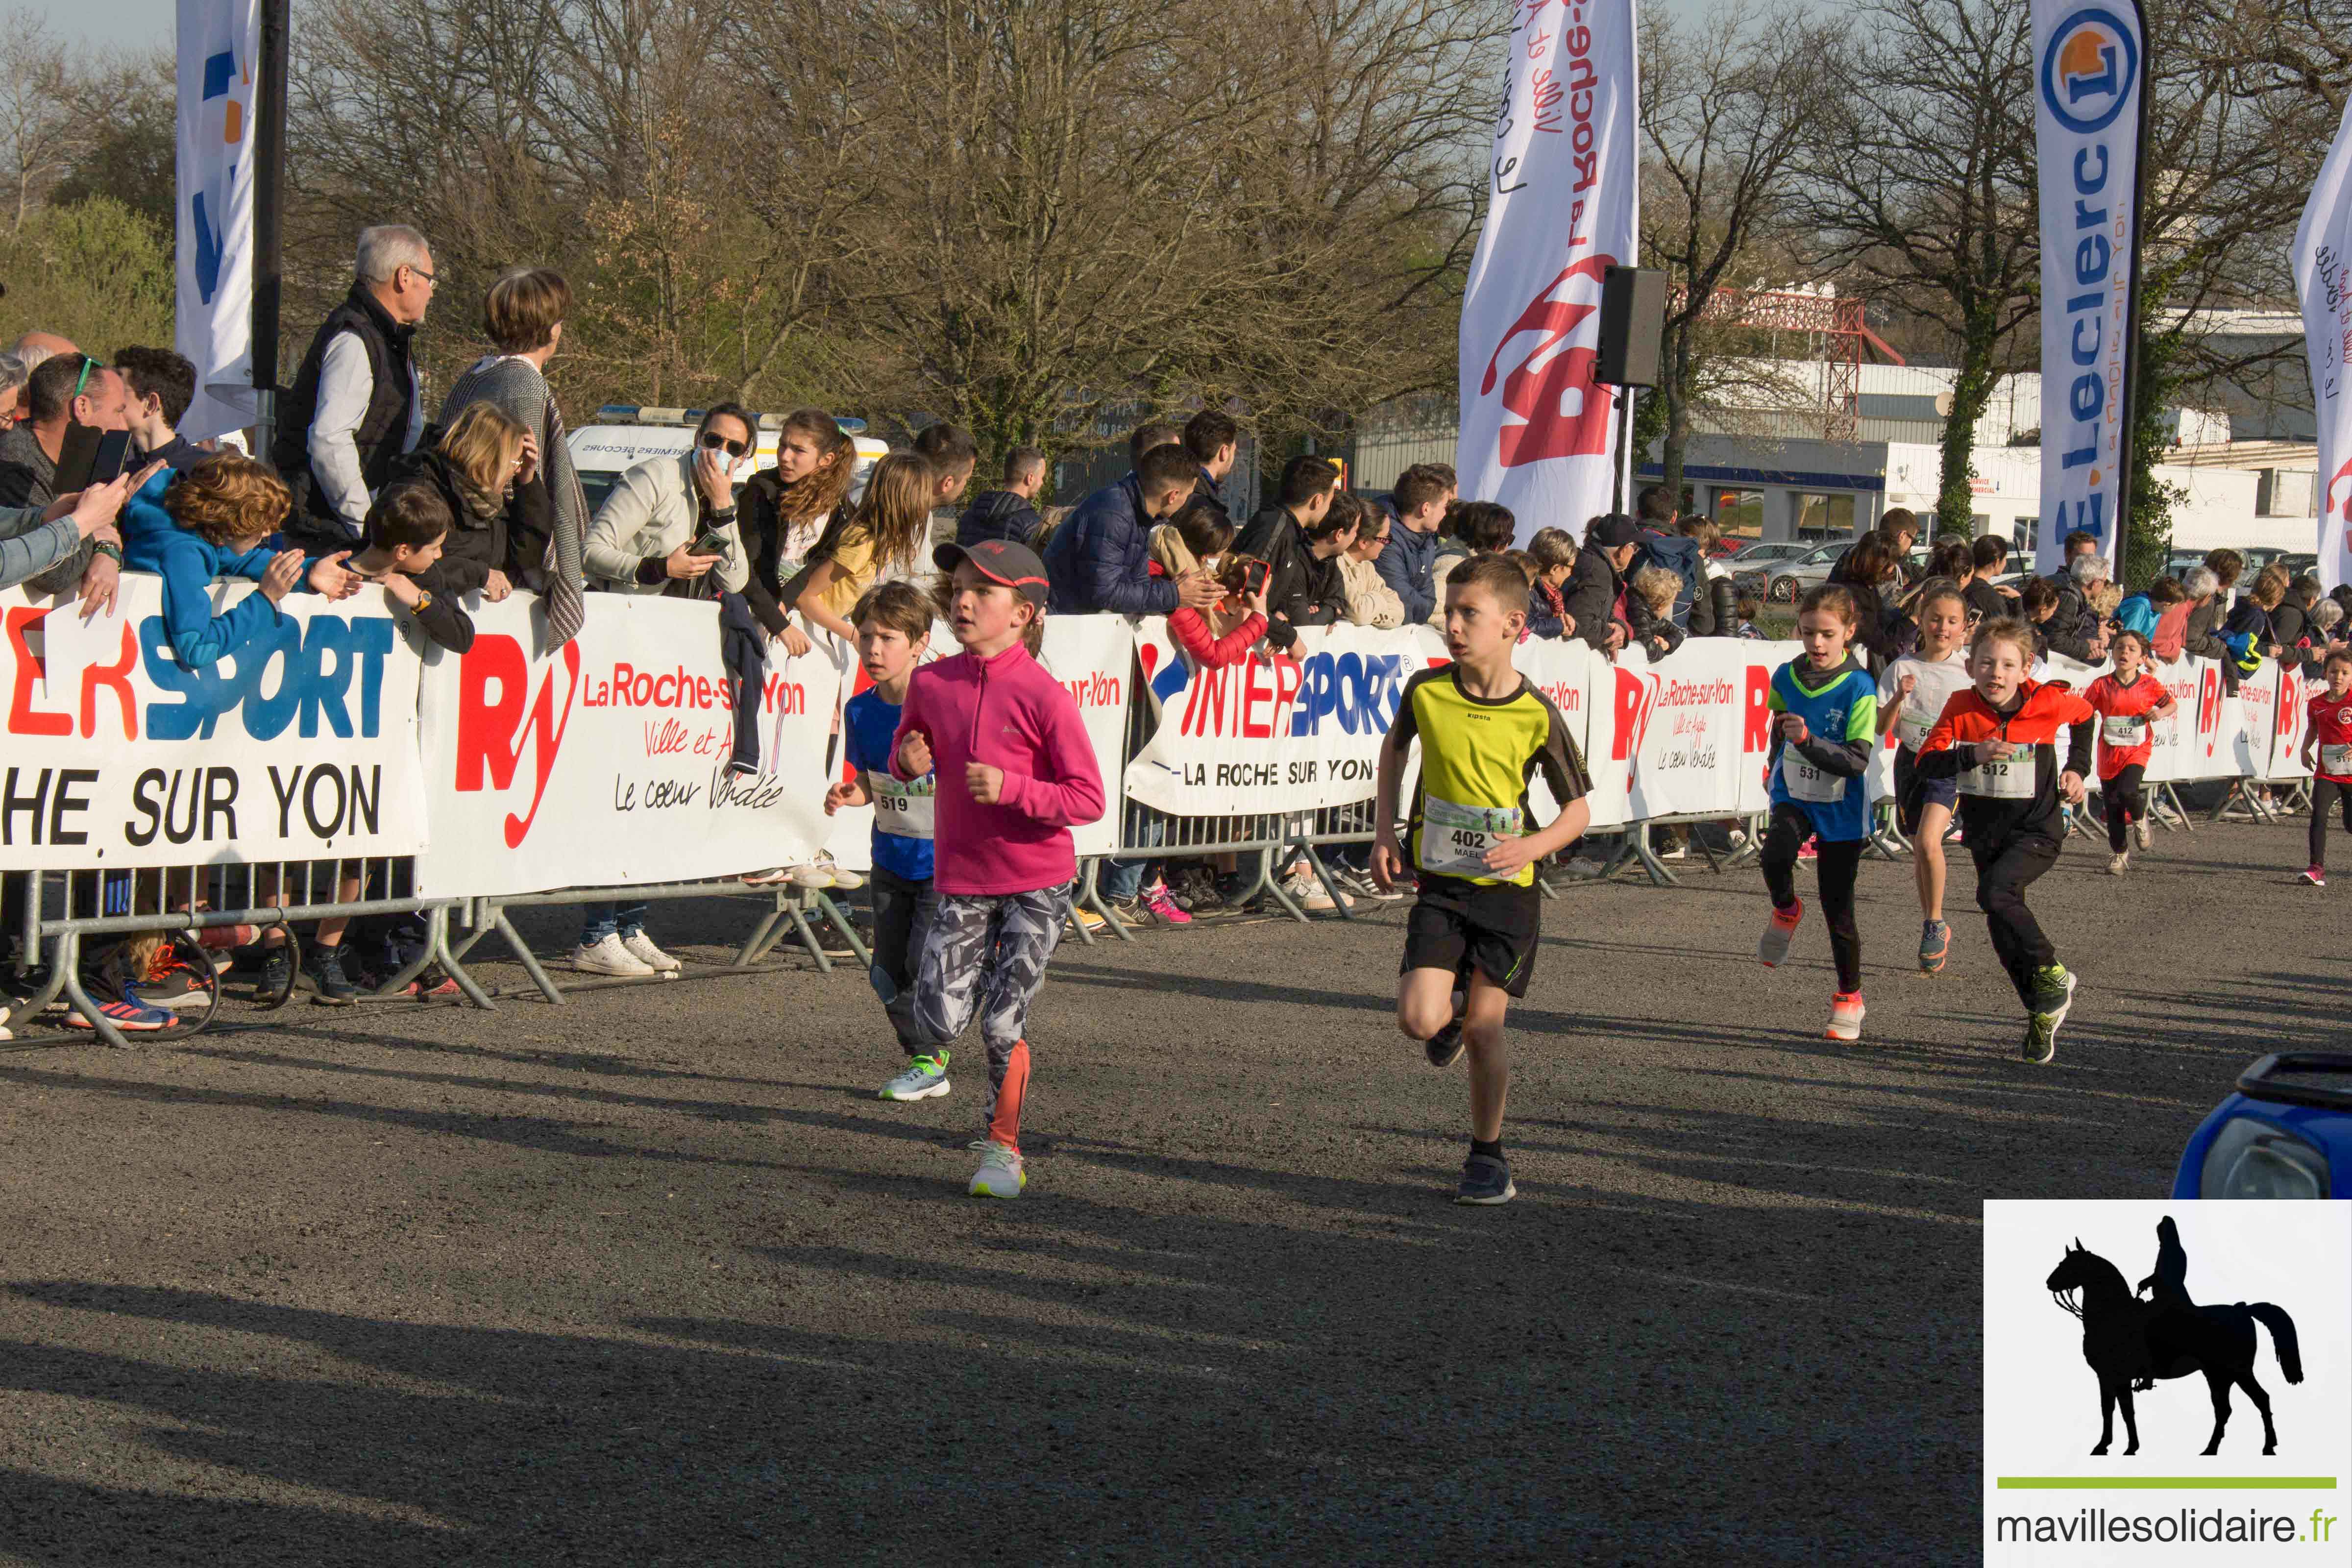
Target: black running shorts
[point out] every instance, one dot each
(1462, 926)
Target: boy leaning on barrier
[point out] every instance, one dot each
(1470, 941)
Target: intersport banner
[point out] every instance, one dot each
(2323, 250)
(1537, 433)
(220, 46)
(301, 745)
(605, 761)
(2090, 58)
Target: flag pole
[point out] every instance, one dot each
(268, 217)
(2128, 449)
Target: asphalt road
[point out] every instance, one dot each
(652, 1279)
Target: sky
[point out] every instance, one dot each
(138, 25)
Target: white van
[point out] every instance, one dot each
(625, 436)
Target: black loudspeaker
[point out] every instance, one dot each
(1633, 316)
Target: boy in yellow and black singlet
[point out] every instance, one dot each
(1484, 732)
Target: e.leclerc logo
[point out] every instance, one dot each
(2088, 69)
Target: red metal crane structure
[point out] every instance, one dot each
(1841, 333)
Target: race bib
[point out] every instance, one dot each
(902, 810)
(1455, 838)
(1807, 783)
(2336, 761)
(2008, 779)
(1912, 727)
(2123, 729)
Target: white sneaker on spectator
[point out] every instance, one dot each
(769, 877)
(640, 947)
(609, 957)
(1360, 885)
(1675, 852)
(846, 881)
(1307, 891)
(808, 876)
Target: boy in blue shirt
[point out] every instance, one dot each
(1826, 721)
(894, 627)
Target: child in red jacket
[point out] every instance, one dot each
(1015, 774)
(1228, 631)
(2127, 701)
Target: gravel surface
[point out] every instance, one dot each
(652, 1278)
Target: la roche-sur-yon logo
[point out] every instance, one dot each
(1556, 410)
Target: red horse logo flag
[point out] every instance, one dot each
(1537, 433)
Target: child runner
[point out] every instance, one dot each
(1021, 775)
(2330, 733)
(1911, 698)
(1484, 732)
(2126, 701)
(894, 627)
(1999, 739)
(1828, 709)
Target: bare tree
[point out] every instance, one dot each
(38, 129)
(1727, 105)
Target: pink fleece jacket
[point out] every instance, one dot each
(1008, 712)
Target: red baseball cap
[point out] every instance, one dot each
(1000, 560)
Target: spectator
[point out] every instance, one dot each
(2186, 630)
(1225, 632)
(31, 541)
(644, 537)
(64, 391)
(2077, 628)
(952, 455)
(1473, 527)
(405, 529)
(1897, 530)
(1662, 545)
(357, 405)
(1554, 552)
(2249, 632)
(2228, 567)
(1422, 493)
(1597, 586)
(547, 527)
(2291, 625)
(207, 524)
(1986, 601)
(1749, 607)
(1659, 586)
(1873, 579)
(29, 351)
(1368, 601)
(2327, 634)
(1214, 440)
(2141, 611)
(1099, 560)
(1714, 609)
(13, 374)
(1149, 436)
(887, 533)
(1010, 513)
(160, 384)
(1196, 539)
(474, 467)
(784, 510)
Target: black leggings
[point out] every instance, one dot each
(2003, 873)
(2323, 793)
(2126, 804)
(1840, 859)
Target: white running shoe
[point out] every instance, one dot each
(999, 1176)
(609, 957)
(926, 1077)
(846, 881)
(1307, 891)
(2117, 861)
(769, 877)
(641, 948)
(808, 876)
(2141, 829)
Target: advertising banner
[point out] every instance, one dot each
(2323, 248)
(606, 761)
(220, 46)
(1704, 725)
(301, 745)
(1537, 434)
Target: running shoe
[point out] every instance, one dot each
(1307, 891)
(1360, 885)
(767, 878)
(1086, 919)
(1001, 1175)
(1845, 1016)
(839, 878)
(1485, 1180)
(1772, 948)
(128, 1016)
(1935, 945)
(2140, 831)
(1443, 1048)
(1195, 890)
(607, 956)
(1160, 907)
(277, 974)
(640, 947)
(926, 1077)
(322, 966)
(816, 877)
(2053, 998)
(1811, 849)
(2117, 861)
(2315, 875)
(171, 983)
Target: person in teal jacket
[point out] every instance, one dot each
(195, 527)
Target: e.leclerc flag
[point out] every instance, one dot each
(2090, 63)
(2323, 283)
(219, 53)
(1537, 433)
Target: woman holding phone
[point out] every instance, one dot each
(669, 527)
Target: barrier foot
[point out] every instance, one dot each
(395, 984)
(1268, 884)
(1751, 850)
(840, 922)
(809, 938)
(1094, 900)
(2180, 819)
(53, 984)
(755, 946)
(451, 960)
(523, 954)
(1339, 895)
(1659, 875)
(68, 962)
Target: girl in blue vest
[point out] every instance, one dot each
(1826, 719)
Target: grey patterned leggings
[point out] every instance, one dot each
(986, 954)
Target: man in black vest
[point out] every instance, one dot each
(354, 407)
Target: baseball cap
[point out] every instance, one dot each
(1001, 560)
(1611, 530)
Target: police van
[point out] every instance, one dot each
(626, 435)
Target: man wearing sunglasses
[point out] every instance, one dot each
(354, 408)
(64, 390)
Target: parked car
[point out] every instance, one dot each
(625, 436)
(1784, 581)
(2286, 1133)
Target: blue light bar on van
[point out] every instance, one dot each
(635, 414)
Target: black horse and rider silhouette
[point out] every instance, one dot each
(2130, 1343)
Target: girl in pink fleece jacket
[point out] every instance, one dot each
(1016, 773)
